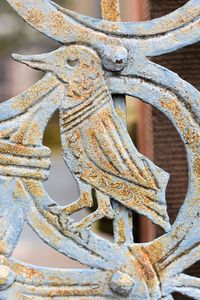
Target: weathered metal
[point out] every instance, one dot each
(99, 58)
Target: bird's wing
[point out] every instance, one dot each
(109, 147)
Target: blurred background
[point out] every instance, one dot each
(150, 130)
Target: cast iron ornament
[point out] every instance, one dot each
(99, 58)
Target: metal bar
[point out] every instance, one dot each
(123, 223)
(110, 10)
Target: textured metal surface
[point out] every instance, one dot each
(99, 58)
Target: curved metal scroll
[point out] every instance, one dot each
(99, 58)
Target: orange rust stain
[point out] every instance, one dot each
(85, 87)
(121, 113)
(46, 230)
(110, 10)
(35, 133)
(35, 16)
(121, 231)
(6, 133)
(12, 149)
(18, 149)
(34, 188)
(19, 192)
(58, 22)
(143, 176)
(19, 5)
(18, 136)
(197, 167)
(91, 135)
(25, 103)
(146, 267)
(191, 136)
(3, 247)
(77, 291)
(156, 251)
(133, 196)
(28, 273)
(174, 107)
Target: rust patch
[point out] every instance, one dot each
(121, 231)
(34, 188)
(190, 135)
(58, 22)
(121, 113)
(35, 17)
(19, 5)
(3, 246)
(19, 192)
(110, 10)
(18, 136)
(34, 134)
(145, 267)
(45, 229)
(26, 272)
(21, 150)
(156, 251)
(197, 167)
(17, 104)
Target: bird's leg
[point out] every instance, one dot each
(104, 205)
(104, 210)
(85, 200)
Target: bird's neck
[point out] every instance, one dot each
(74, 112)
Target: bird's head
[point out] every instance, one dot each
(77, 67)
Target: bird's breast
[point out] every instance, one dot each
(74, 120)
(76, 115)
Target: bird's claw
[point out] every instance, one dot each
(63, 218)
(70, 225)
(54, 209)
(65, 221)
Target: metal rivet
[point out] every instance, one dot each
(121, 283)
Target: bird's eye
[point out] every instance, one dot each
(72, 62)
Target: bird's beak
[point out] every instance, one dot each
(38, 62)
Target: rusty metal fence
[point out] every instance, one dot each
(86, 79)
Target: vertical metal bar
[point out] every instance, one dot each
(123, 223)
(110, 10)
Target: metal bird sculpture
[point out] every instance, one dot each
(91, 133)
(96, 144)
